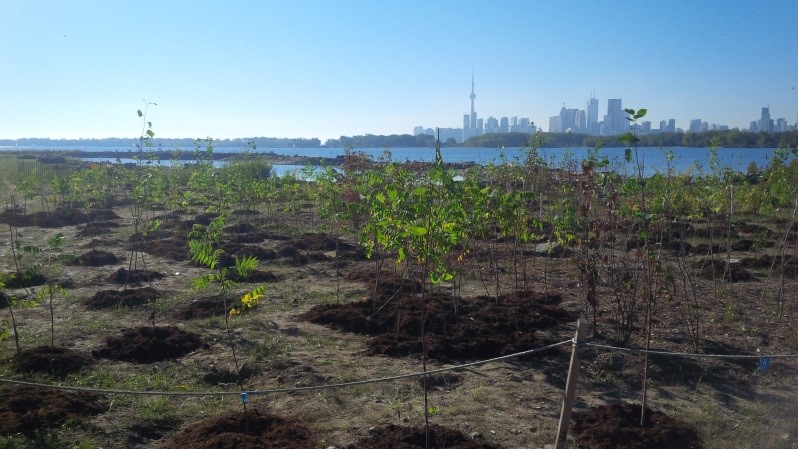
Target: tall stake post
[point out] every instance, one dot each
(570, 385)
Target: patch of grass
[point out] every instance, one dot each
(153, 408)
(272, 349)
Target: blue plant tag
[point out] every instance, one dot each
(244, 398)
(764, 363)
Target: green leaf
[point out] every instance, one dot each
(641, 113)
(150, 133)
(627, 154)
(418, 230)
(139, 113)
(419, 191)
(629, 111)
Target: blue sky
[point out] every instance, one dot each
(299, 68)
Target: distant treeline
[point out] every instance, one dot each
(391, 141)
(184, 144)
(728, 139)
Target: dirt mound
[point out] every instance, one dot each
(106, 299)
(174, 248)
(457, 329)
(389, 283)
(102, 215)
(204, 308)
(53, 360)
(122, 276)
(617, 426)
(149, 344)
(56, 219)
(96, 258)
(237, 430)
(401, 437)
(23, 280)
(237, 249)
(319, 242)
(789, 266)
(26, 410)
(717, 269)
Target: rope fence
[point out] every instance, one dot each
(586, 345)
(688, 354)
(284, 390)
(577, 343)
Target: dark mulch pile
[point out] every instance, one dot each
(235, 249)
(788, 266)
(26, 409)
(204, 308)
(24, 280)
(53, 360)
(56, 219)
(388, 283)
(172, 245)
(716, 269)
(307, 248)
(102, 215)
(106, 299)
(319, 242)
(96, 258)
(457, 328)
(236, 430)
(122, 276)
(148, 344)
(401, 437)
(617, 426)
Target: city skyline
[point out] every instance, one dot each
(327, 69)
(586, 121)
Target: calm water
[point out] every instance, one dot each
(654, 160)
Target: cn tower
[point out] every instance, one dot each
(473, 97)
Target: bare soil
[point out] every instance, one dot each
(238, 430)
(618, 426)
(323, 321)
(27, 410)
(149, 344)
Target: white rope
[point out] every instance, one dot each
(688, 354)
(280, 390)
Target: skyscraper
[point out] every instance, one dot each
(592, 115)
(765, 122)
(616, 117)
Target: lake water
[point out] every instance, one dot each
(653, 160)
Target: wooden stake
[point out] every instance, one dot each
(570, 385)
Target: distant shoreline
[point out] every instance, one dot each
(50, 156)
(270, 157)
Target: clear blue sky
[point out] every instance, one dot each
(297, 68)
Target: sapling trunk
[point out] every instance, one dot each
(14, 327)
